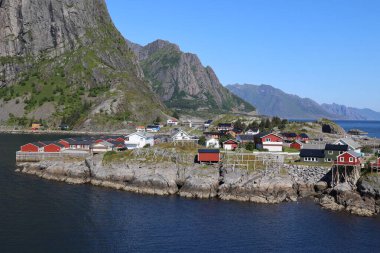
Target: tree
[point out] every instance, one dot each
(239, 125)
(250, 146)
(268, 124)
(202, 141)
(176, 115)
(276, 121)
(253, 125)
(157, 120)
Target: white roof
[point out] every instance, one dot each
(103, 143)
(350, 142)
(141, 134)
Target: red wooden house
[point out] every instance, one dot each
(349, 158)
(32, 147)
(208, 155)
(303, 137)
(270, 141)
(230, 145)
(54, 148)
(296, 145)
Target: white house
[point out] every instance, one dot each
(212, 143)
(252, 131)
(181, 136)
(139, 140)
(102, 147)
(140, 128)
(270, 141)
(207, 124)
(172, 122)
(352, 145)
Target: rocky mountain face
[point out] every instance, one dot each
(352, 113)
(64, 60)
(274, 102)
(182, 81)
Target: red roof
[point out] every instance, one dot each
(230, 142)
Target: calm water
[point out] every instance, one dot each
(371, 127)
(43, 216)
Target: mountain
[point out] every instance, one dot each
(352, 113)
(64, 61)
(274, 102)
(182, 82)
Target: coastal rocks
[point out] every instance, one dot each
(158, 179)
(72, 173)
(256, 187)
(202, 182)
(344, 197)
(306, 178)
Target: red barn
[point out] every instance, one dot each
(230, 145)
(349, 158)
(53, 148)
(32, 147)
(208, 155)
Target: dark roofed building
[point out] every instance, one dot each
(245, 138)
(312, 155)
(332, 151)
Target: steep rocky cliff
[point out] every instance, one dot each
(64, 60)
(182, 81)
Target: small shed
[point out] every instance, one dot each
(208, 155)
(54, 148)
(296, 145)
(32, 147)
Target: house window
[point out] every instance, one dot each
(268, 140)
(328, 160)
(340, 152)
(351, 159)
(341, 159)
(331, 152)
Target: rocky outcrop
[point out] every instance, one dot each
(256, 187)
(202, 182)
(182, 81)
(192, 181)
(72, 173)
(344, 197)
(273, 185)
(74, 47)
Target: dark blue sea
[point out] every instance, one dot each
(371, 127)
(44, 216)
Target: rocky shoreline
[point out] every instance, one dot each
(275, 185)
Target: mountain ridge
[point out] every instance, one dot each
(181, 80)
(275, 102)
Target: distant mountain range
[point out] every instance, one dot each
(275, 102)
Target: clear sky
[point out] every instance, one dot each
(328, 50)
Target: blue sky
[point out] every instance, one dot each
(326, 50)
